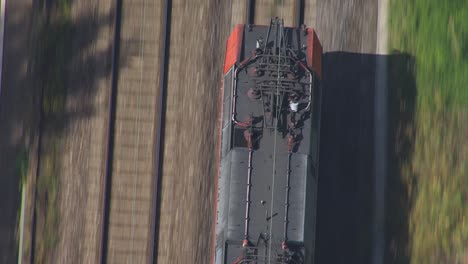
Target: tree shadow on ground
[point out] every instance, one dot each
(71, 66)
(16, 105)
(347, 156)
(44, 53)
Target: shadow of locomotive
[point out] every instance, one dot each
(346, 171)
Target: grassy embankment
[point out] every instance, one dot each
(430, 220)
(53, 29)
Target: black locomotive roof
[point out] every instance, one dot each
(264, 212)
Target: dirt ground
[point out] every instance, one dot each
(266, 9)
(85, 137)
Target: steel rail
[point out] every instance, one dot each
(159, 147)
(250, 12)
(110, 132)
(299, 17)
(2, 37)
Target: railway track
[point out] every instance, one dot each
(135, 125)
(295, 13)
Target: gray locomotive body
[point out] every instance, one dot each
(269, 146)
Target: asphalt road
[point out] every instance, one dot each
(348, 32)
(2, 31)
(15, 106)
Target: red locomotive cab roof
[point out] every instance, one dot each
(233, 46)
(314, 50)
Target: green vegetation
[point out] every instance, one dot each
(47, 206)
(22, 162)
(436, 33)
(430, 194)
(53, 31)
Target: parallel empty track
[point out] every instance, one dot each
(129, 212)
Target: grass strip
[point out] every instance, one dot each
(430, 184)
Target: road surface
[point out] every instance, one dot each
(16, 101)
